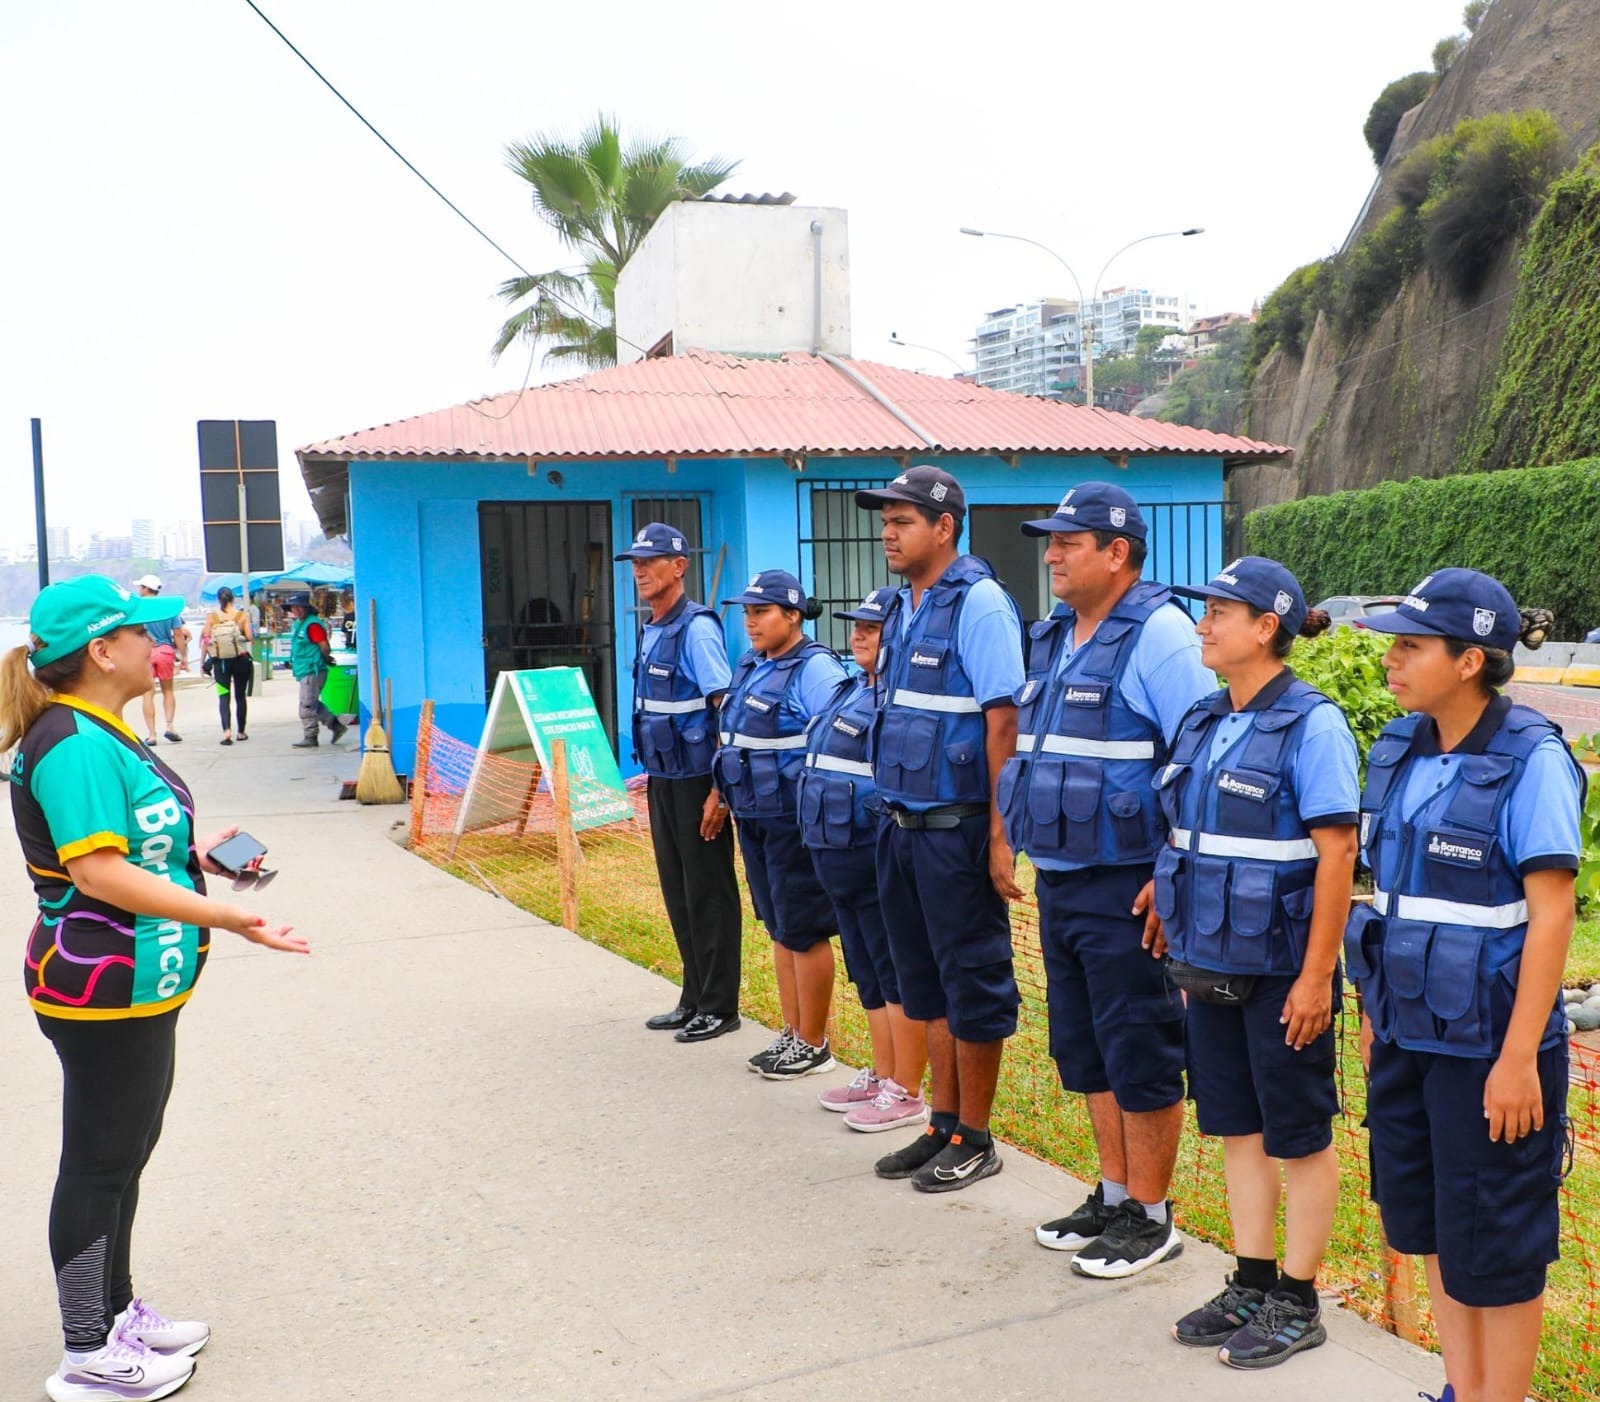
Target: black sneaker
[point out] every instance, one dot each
(1220, 1318)
(1077, 1229)
(906, 1161)
(1281, 1327)
(1131, 1243)
(767, 1057)
(799, 1058)
(957, 1165)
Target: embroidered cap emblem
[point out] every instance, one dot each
(1119, 516)
(938, 491)
(677, 542)
(1483, 622)
(1283, 603)
(794, 596)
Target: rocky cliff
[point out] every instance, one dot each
(1398, 398)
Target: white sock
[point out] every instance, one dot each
(1156, 1211)
(77, 1355)
(1113, 1193)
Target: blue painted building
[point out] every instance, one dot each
(486, 532)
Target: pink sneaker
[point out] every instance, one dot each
(894, 1107)
(860, 1091)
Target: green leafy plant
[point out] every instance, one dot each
(1346, 665)
(1586, 750)
(1383, 120)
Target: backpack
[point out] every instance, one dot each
(226, 640)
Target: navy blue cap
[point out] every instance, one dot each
(925, 485)
(1092, 506)
(1466, 605)
(654, 542)
(298, 601)
(1262, 583)
(772, 587)
(872, 609)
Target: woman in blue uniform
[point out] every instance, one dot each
(1252, 891)
(778, 687)
(1470, 824)
(839, 816)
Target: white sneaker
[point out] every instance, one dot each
(123, 1371)
(160, 1334)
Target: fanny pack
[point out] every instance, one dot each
(1208, 986)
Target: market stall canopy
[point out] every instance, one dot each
(306, 575)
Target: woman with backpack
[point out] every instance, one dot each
(225, 648)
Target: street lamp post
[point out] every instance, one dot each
(1085, 314)
(895, 340)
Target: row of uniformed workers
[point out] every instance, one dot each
(1165, 817)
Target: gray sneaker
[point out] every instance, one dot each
(1280, 1328)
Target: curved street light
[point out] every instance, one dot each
(1085, 316)
(895, 340)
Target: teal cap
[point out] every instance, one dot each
(68, 615)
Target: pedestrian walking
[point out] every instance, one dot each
(1253, 888)
(679, 676)
(948, 680)
(1111, 673)
(225, 644)
(310, 657)
(169, 656)
(1470, 824)
(124, 924)
(839, 816)
(780, 685)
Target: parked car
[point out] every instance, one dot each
(1346, 609)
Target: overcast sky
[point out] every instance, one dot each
(195, 228)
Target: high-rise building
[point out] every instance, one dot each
(147, 540)
(58, 540)
(191, 540)
(1118, 316)
(1031, 348)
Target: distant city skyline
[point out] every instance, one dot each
(142, 537)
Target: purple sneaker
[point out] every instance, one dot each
(160, 1334)
(894, 1107)
(123, 1371)
(861, 1091)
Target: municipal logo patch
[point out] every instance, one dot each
(938, 491)
(1119, 516)
(1283, 603)
(1483, 622)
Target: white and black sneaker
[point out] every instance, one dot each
(957, 1165)
(125, 1370)
(1132, 1242)
(1077, 1229)
(799, 1058)
(768, 1056)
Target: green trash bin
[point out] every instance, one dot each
(339, 691)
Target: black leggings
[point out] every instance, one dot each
(117, 1076)
(235, 673)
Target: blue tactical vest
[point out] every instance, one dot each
(1438, 952)
(674, 734)
(763, 745)
(838, 800)
(1233, 887)
(931, 732)
(1079, 786)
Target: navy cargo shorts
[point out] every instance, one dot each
(1244, 1079)
(949, 932)
(1491, 1211)
(784, 889)
(850, 877)
(1116, 1020)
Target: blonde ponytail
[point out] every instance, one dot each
(25, 692)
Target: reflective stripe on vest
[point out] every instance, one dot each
(1087, 749)
(839, 766)
(931, 701)
(673, 708)
(1261, 849)
(1431, 911)
(756, 742)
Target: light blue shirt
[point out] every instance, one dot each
(161, 631)
(988, 639)
(1540, 819)
(811, 691)
(1165, 675)
(1325, 769)
(703, 653)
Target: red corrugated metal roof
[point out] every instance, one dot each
(708, 404)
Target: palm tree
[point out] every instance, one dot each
(601, 198)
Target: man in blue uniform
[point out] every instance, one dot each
(950, 671)
(1111, 673)
(679, 677)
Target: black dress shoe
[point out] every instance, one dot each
(702, 1027)
(680, 1016)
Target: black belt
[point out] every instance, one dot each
(949, 816)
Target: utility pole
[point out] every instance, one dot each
(38, 505)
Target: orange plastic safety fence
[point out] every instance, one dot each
(505, 840)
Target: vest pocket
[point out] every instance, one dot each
(1252, 899)
(1045, 806)
(1170, 792)
(1297, 908)
(1129, 828)
(1081, 783)
(907, 739)
(838, 812)
(1210, 894)
(1168, 875)
(808, 803)
(961, 752)
(1011, 812)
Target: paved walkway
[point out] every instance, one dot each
(441, 1158)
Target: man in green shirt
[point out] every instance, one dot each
(310, 656)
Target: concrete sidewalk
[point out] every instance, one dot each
(443, 1158)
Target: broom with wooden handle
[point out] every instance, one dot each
(376, 783)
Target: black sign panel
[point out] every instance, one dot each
(231, 449)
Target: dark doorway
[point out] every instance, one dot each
(547, 593)
(1018, 559)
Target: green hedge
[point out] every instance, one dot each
(1537, 530)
